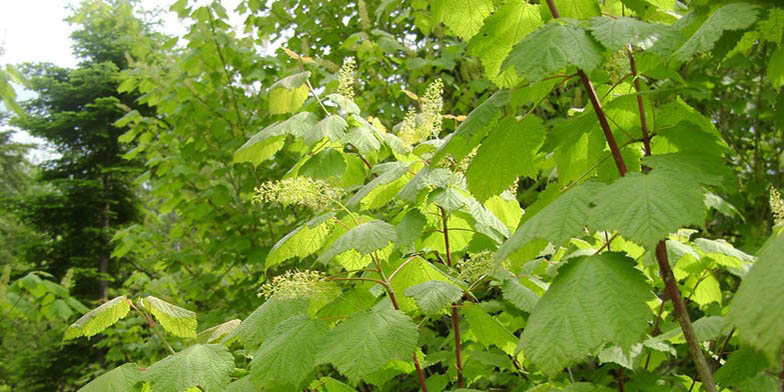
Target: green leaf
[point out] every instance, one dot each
(741, 366)
(592, 302)
(520, 296)
(434, 295)
(332, 127)
(288, 94)
(473, 129)
(271, 139)
(367, 341)
(757, 309)
(302, 241)
(551, 48)
(409, 229)
(174, 319)
(365, 239)
(326, 164)
(415, 272)
(619, 33)
(703, 168)
(99, 318)
(645, 208)
(288, 355)
(497, 164)
(557, 222)
(463, 17)
(255, 329)
(206, 366)
(735, 16)
(391, 174)
(508, 25)
(776, 68)
(487, 330)
(575, 9)
(120, 379)
(217, 333)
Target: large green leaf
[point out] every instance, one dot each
(508, 25)
(592, 302)
(367, 341)
(217, 333)
(735, 16)
(288, 94)
(741, 366)
(557, 222)
(488, 330)
(270, 140)
(434, 295)
(288, 354)
(302, 241)
(391, 173)
(508, 152)
(206, 366)
(463, 17)
(553, 47)
(120, 379)
(174, 319)
(645, 208)
(365, 239)
(99, 318)
(619, 33)
(473, 129)
(332, 127)
(255, 329)
(758, 307)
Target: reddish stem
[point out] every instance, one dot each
(458, 354)
(646, 141)
(418, 367)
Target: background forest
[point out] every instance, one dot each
(379, 195)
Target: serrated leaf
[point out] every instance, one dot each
(396, 171)
(288, 354)
(415, 272)
(703, 168)
(270, 140)
(326, 164)
(463, 17)
(735, 16)
(741, 366)
(99, 318)
(645, 208)
(255, 329)
(510, 151)
(120, 379)
(619, 33)
(217, 333)
(409, 229)
(473, 129)
(332, 127)
(757, 309)
(367, 341)
(434, 295)
(487, 329)
(174, 319)
(282, 101)
(206, 366)
(593, 301)
(551, 48)
(365, 239)
(302, 241)
(508, 25)
(557, 222)
(776, 68)
(520, 296)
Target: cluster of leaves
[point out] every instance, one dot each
(431, 275)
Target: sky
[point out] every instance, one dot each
(35, 31)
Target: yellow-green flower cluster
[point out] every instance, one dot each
(67, 280)
(296, 284)
(364, 17)
(777, 207)
(302, 191)
(346, 78)
(432, 105)
(409, 130)
(476, 267)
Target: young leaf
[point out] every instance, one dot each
(508, 25)
(302, 241)
(496, 166)
(735, 16)
(288, 94)
(217, 333)
(645, 208)
(270, 140)
(592, 302)
(255, 329)
(365, 239)
(553, 47)
(367, 341)
(758, 307)
(99, 318)
(463, 17)
(288, 354)
(206, 366)
(560, 220)
(121, 378)
(176, 320)
(434, 295)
